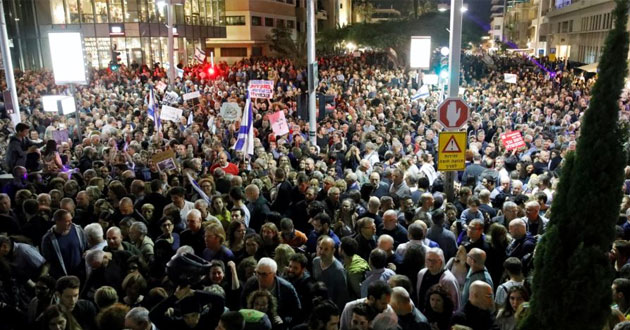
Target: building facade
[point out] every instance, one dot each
(135, 28)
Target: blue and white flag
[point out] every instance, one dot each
(423, 93)
(245, 140)
(190, 118)
(198, 189)
(152, 111)
(200, 55)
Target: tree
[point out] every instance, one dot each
(572, 278)
(281, 41)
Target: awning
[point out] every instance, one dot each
(589, 67)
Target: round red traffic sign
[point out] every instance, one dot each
(453, 113)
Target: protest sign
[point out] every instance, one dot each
(261, 89)
(170, 113)
(165, 160)
(230, 111)
(279, 123)
(510, 78)
(192, 95)
(512, 140)
(60, 136)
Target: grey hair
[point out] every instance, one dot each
(140, 226)
(269, 263)
(390, 213)
(201, 202)
(194, 212)
(94, 232)
(94, 255)
(439, 252)
(509, 205)
(185, 249)
(138, 315)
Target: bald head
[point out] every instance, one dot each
(481, 295)
(517, 228)
(252, 192)
(400, 301)
(476, 259)
(126, 206)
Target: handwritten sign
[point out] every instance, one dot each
(193, 95)
(510, 78)
(170, 98)
(170, 113)
(512, 140)
(230, 111)
(161, 86)
(261, 89)
(279, 123)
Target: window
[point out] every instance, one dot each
(268, 21)
(291, 24)
(256, 21)
(234, 20)
(58, 14)
(101, 11)
(115, 11)
(87, 16)
(280, 23)
(233, 52)
(256, 51)
(73, 11)
(571, 26)
(290, 2)
(131, 10)
(497, 27)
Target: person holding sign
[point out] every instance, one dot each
(222, 162)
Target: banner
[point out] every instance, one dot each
(512, 140)
(261, 89)
(510, 78)
(230, 111)
(279, 123)
(170, 113)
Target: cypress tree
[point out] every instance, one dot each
(572, 279)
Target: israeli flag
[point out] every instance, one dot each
(423, 93)
(200, 55)
(198, 189)
(151, 111)
(245, 140)
(190, 118)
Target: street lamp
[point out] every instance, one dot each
(444, 51)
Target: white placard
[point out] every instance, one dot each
(68, 62)
(170, 113)
(170, 98)
(430, 79)
(420, 52)
(192, 95)
(230, 111)
(510, 78)
(50, 103)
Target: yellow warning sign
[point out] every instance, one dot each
(452, 151)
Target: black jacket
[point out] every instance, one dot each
(475, 318)
(289, 305)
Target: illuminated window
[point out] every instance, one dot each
(234, 20)
(104, 51)
(87, 11)
(100, 7)
(115, 11)
(73, 11)
(152, 8)
(256, 21)
(57, 11)
(202, 12)
(132, 11)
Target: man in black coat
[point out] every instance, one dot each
(477, 312)
(523, 242)
(283, 194)
(258, 207)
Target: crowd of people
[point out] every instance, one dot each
(352, 233)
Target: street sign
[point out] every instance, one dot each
(452, 151)
(453, 113)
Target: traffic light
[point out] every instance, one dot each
(210, 71)
(114, 64)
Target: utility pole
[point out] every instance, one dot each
(171, 55)
(455, 46)
(8, 68)
(312, 70)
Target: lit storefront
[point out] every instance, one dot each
(135, 28)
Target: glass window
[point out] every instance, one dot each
(100, 6)
(87, 12)
(104, 51)
(280, 23)
(195, 12)
(209, 12)
(202, 12)
(152, 11)
(73, 11)
(134, 50)
(234, 20)
(132, 12)
(115, 11)
(268, 21)
(146, 51)
(256, 21)
(57, 11)
(161, 10)
(164, 49)
(188, 12)
(91, 52)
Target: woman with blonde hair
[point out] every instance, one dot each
(282, 255)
